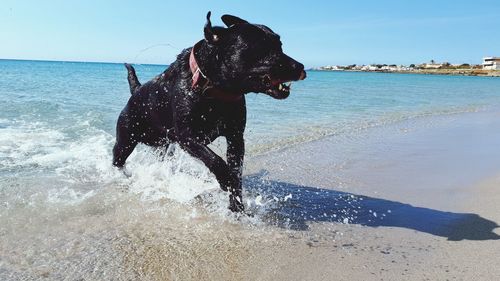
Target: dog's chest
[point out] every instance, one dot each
(214, 119)
(210, 120)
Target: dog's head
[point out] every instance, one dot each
(248, 57)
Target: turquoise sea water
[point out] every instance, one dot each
(50, 107)
(61, 115)
(63, 205)
(61, 96)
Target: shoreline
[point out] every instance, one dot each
(450, 72)
(392, 203)
(472, 133)
(429, 207)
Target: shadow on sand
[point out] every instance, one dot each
(312, 204)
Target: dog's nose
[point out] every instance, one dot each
(303, 75)
(290, 69)
(300, 69)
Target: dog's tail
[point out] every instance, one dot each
(133, 82)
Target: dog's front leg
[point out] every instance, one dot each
(235, 154)
(214, 163)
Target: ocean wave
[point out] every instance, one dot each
(307, 133)
(47, 167)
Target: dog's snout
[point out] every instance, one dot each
(294, 70)
(300, 69)
(293, 64)
(298, 66)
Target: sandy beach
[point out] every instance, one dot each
(416, 200)
(440, 182)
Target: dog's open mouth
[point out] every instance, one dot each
(276, 88)
(279, 90)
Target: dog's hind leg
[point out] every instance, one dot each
(165, 150)
(168, 147)
(133, 81)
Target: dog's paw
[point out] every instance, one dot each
(235, 205)
(126, 172)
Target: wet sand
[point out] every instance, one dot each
(416, 200)
(433, 183)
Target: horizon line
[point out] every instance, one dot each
(79, 61)
(163, 64)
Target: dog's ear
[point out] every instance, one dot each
(213, 35)
(230, 20)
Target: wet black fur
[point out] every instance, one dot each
(237, 60)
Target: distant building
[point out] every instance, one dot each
(431, 65)
(491, 63)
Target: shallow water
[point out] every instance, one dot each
(65, 212)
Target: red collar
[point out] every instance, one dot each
(201, 81)
(195, 69)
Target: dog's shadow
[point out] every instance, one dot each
(297, 205)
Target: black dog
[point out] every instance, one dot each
(201, 97)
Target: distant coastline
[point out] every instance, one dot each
(462, 72)
(426, 68)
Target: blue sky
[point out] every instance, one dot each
(315, 32)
